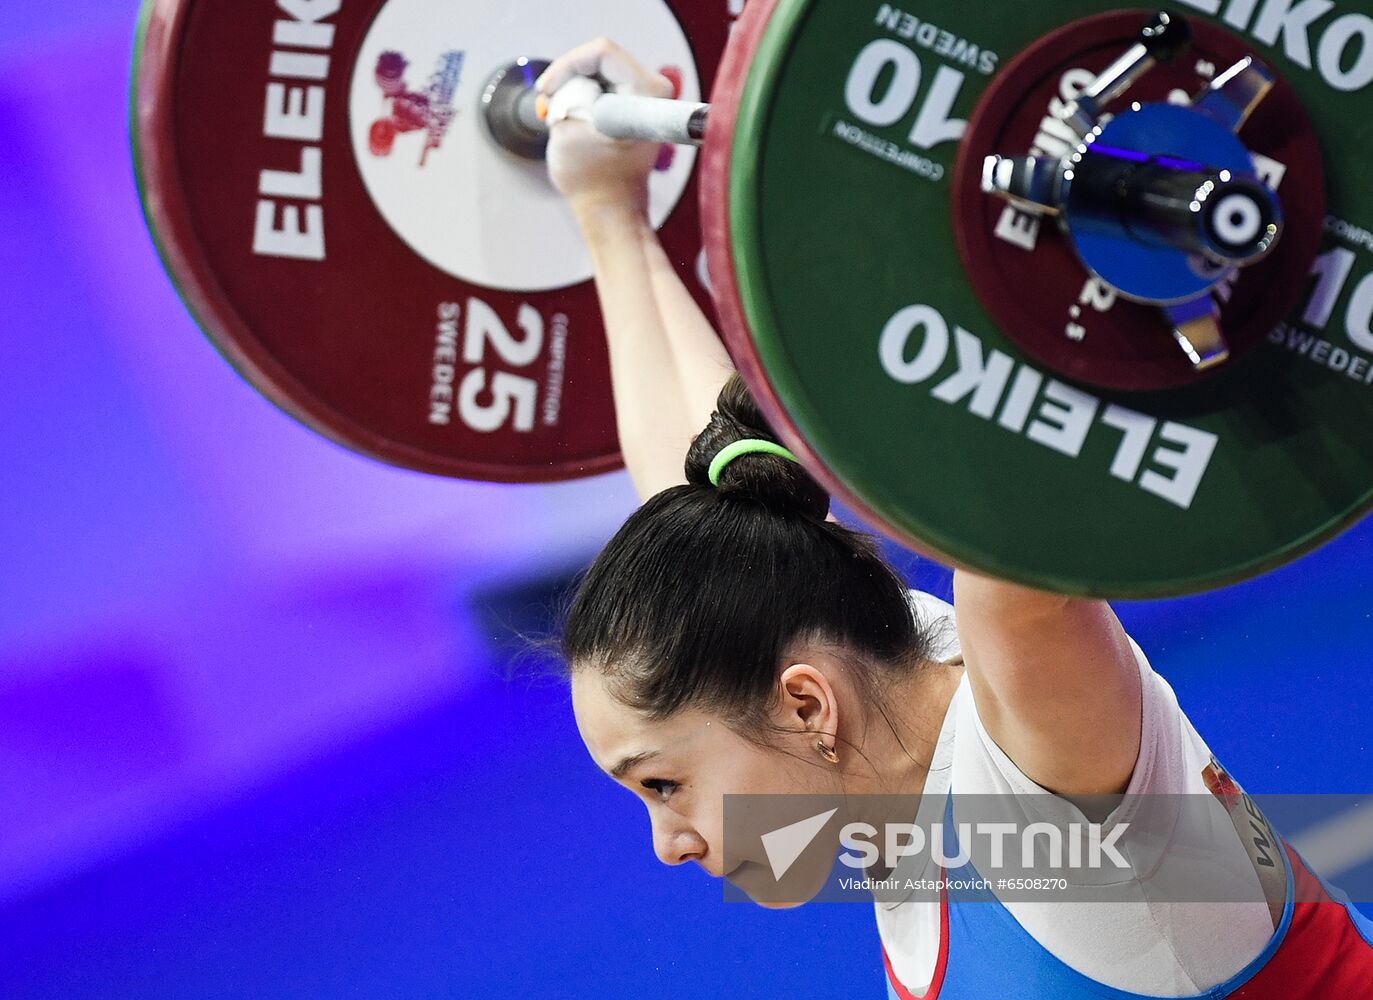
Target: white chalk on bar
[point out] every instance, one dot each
(621, 116)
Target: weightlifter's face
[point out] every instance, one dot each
(681, 769)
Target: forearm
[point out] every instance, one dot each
(702, 363)
(654, 420)
(667, 366)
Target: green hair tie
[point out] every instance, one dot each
(739, 449)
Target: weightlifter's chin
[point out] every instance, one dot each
(756, 881)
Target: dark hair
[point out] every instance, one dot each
(695, 600)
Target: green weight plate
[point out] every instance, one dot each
(833, 250)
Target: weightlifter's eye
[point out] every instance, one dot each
(660, 786)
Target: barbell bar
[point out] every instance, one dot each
(945, 249)
(1229, 216)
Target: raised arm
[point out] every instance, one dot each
(703, 364)
(667, 364)
(1056, 684)
(1055, 679)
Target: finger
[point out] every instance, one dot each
(626, 75)
(610, 62)
(584, 60)
(573, 100)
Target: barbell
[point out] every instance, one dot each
(1079, 297)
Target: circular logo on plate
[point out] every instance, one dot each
(468, 207)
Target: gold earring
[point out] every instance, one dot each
(826, 752)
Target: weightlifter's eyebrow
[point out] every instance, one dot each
(631, 762)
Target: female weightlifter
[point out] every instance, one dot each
(734, 639)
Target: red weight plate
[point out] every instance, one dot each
(1026, 273)
(319, 181)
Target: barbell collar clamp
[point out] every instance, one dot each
(1231, 219)
(1196, 328)
(1162, 39)
(509, 117)
(1233, 96)
(1029, 182)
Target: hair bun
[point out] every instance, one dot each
(775, 482)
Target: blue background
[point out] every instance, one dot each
(254, 736)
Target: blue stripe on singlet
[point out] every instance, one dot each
(992, 957)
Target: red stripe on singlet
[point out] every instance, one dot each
(940, 966)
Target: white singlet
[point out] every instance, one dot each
(1147, 945)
